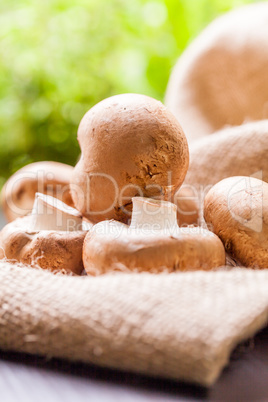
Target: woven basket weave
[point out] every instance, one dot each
(181, 326)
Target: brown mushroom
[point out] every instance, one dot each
(131, 146)
(51, 237)
(153, 242)
(221, 78)
(50, 178)
(237, 209)
(187, 201)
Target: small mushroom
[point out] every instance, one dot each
(131, 146)
(51, 237)
(153, 242)
(50, 178)
(237, 209)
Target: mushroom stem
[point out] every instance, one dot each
(153, 214)
(49, 213)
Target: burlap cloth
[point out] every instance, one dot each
(182, 325)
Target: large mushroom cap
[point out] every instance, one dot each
(45, 177)
(113, 246)
(221, 79)
(131, 146)
(237, 209)
(152, 243)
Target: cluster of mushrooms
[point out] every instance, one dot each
(123, 207)
(116, 215)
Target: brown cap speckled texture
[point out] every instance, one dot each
(131, 140)
(221, 78)
(50, 178)
(112, 246)
(48, 249)
(237, 208)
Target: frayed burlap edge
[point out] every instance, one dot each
(181, 326)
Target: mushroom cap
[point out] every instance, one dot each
(237, 209)
(113, 246)
(48, 249)
(131, 146)
(221, 78)
(50, 178)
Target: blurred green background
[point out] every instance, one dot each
(60, 57)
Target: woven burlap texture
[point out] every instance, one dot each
(182, 325)
(234, 151)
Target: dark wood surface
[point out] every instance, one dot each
(25, 378)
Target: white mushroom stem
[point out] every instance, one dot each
(49, 213)
(150, 214)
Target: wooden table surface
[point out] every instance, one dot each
(25, 378)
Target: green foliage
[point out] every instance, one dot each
(60, 57)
